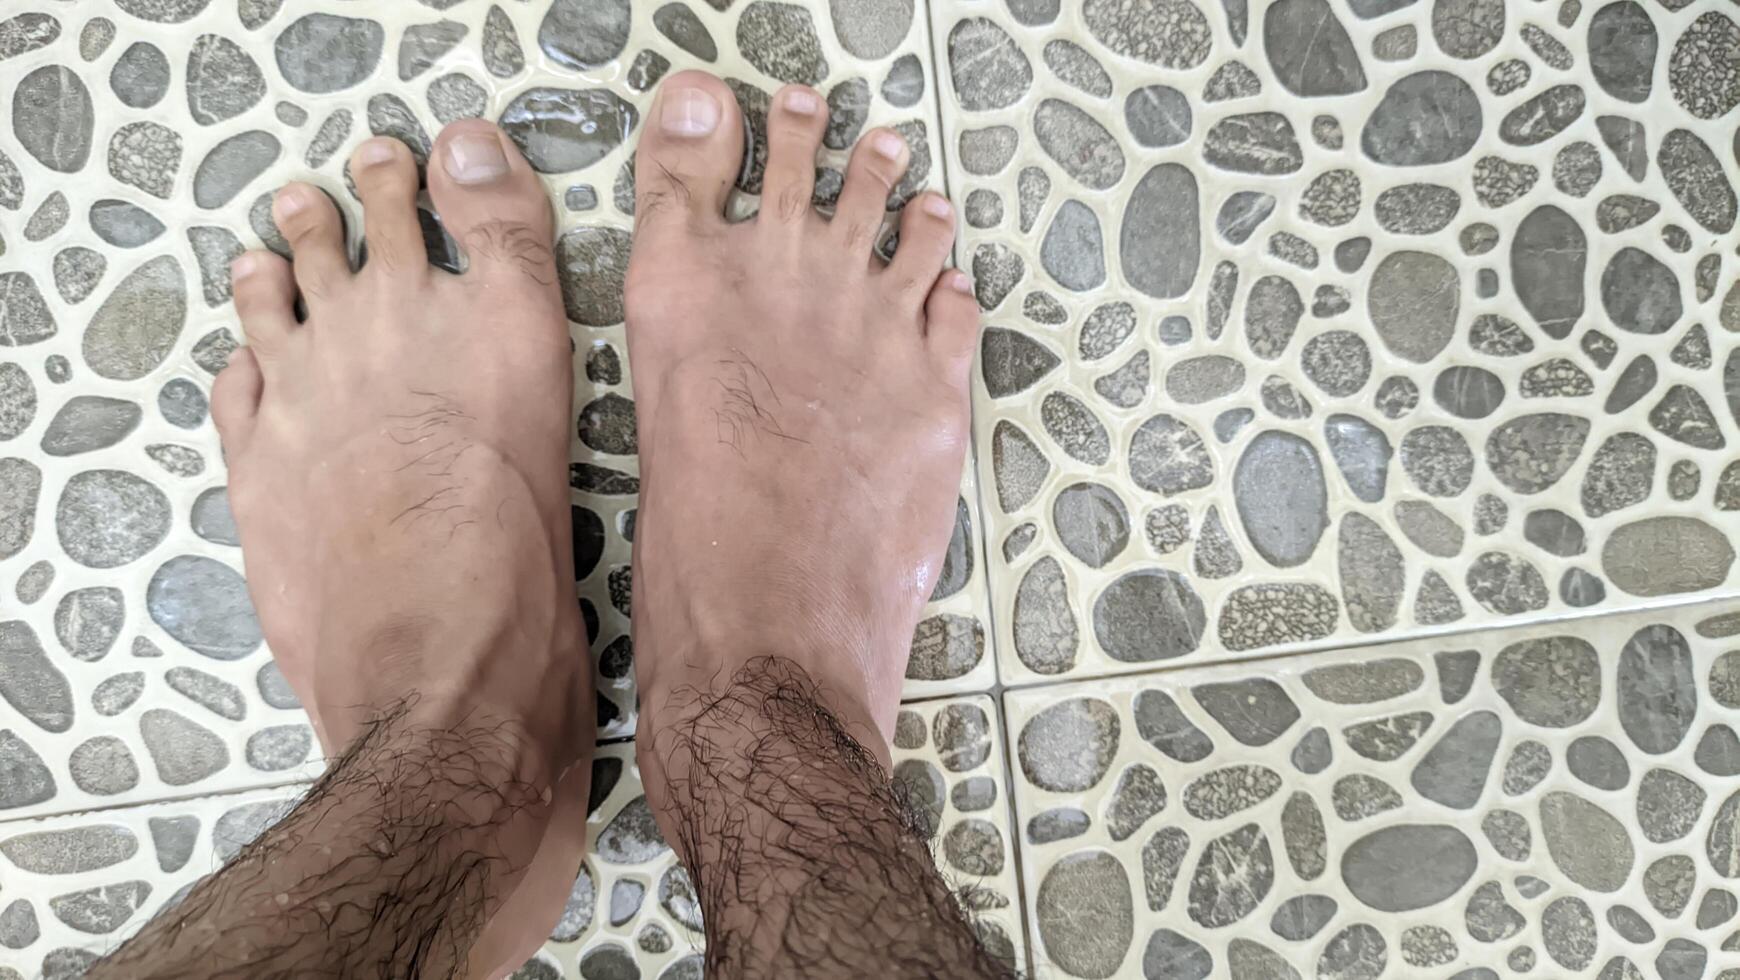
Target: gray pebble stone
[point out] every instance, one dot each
(103, 766)
(1172, 34)
(1161, 724)
(1598, 762)
(1416, 209)
(1069, 746)
(34, 581)
(1078, 144)
(145, 155)
(903, 86)
(1157, 116)
(1695, 177)
(1159, 241)
(1702, 73)
(1147, 615)
(987, 66)
(1425, 118)
(1666, 555)
(279, 747)
(1232, 877)
(183, 751)
(107, 518)
(232, 165)
(320, 53)
(1075, 66)
(77, 271)
(451, 97)
(101, 910)
(1586, 843)
(30, 682)
(213, 693)
(1628, 141)
(52, 118)
(222, 80)
(204, 604)
(1084, 913)
(87, 621)
(780, 40)
(117, 692)
(1309, 51)
(1259, 143)
(1057, 824)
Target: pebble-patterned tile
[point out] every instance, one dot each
(76, 885)
(948, 757)
(145, 139)
(1314, 319)
(1559, 796)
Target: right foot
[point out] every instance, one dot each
(803, 410)
(398, 468)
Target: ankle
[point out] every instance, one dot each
(735, 704)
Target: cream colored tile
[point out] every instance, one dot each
(145, 139)
(1549, 798)
(1310, 320)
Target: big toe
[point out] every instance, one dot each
(691, 148)
(491, 201)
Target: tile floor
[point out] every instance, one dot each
(1451, 279)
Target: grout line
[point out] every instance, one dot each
(1447, 636)
(154, 801)
(982, 532)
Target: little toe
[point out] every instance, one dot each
(235, 399)
(491, 202)
(927, 233)
(386, 179)
(265, 295)
(876, 165)
(311, 224)
(951, 318)
(691, 148)
(794, 131)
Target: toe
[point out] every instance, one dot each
(877, 163)
(691, 148)
(386, 179)
(265, 294)
(794, 131)
(311, 224)
(491, 202)
(927, 233)
(235, 399)
(951, 322)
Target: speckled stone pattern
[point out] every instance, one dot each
(1558, 799)
(1318, 319)
(1308, 323)
(145, 139)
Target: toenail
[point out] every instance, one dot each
(689, 112)
(960, 282)
(244, 266)
(937, 206)
(887, 144)
(292, 201)
(802, 101)
(476, 158)
(376, 151)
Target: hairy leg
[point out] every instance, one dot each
(803, 423)
(398, 474)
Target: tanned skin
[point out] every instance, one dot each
(398, 461)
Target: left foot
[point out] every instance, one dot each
(398, 474)
(802, 407)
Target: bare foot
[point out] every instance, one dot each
(803, 409)
(398, 473)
